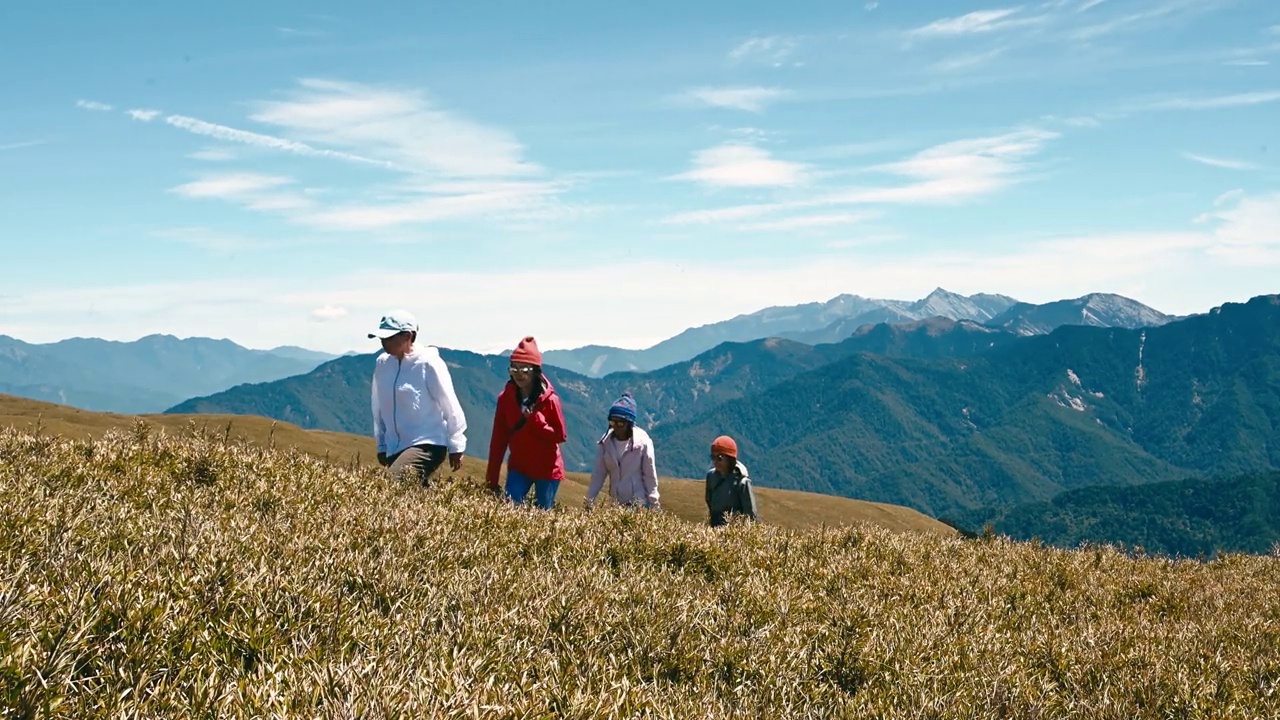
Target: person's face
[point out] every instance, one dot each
(724, 463)
(621, 428)
(398, 345)
(522, 375)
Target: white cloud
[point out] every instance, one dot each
(399, 127)
(252, 191)
(955, 171)
(1220, 101)
(230, 186)
(20, 145)
(1248, 231)
(1233, 256)
(980, 21)
(143, 114)
(771, 49)
(1225, 163)
(1247, 63)
(443, 203)
(966, 61)
(1088, 4)
(720, 215)
(1224, 198)
(93, 105)
(871, 5)
(208, 239)
(809, 222)
(949, 173)
(739, 165)
(1154, 12)
(329, 313)
(245, 137)
(751, 99)
(212, 155)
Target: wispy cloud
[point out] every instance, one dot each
(1160, 11)
(207, 239)
(447, 167)
(1219, 101)
(396, 126)
(966, 61)
(213, 155)
(231, 185)
(1224, 163)
(773, 49)
(329, 313)
(809, 222)
(301, 32)
(955, 171)
(1088, 4)
(437, 203)
(980, 21)
(949, 173)
(245, 137)
(143, 115)
(740, 165)
(93, 105)
(20, 145)
(1247, 63)
(750, 99)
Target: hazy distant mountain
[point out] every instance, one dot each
(808, 323)
(145, 375)
(1095, 309)
(939, 303)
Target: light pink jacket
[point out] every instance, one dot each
(633, 476)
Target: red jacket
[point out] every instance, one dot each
(535, 445)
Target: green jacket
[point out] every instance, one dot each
(728, 495)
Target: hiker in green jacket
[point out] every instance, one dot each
(728, 484)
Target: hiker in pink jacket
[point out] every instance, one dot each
(625, 456)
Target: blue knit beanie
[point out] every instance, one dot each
(625, 408)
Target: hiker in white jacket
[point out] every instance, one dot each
(417, 418)
(625, 456)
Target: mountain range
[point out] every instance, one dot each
(942, 416)
(841, 316)
(145, 375)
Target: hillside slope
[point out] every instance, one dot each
(145, 576)
(683, 498)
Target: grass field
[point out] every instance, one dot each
(684, 498)
(147, 575)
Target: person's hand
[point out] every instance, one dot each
(496, 490)
(455, 461)
(382, 459)
(588, 504)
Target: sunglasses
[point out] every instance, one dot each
(721, 456)
(520, 370)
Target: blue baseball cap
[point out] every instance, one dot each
(394, 323)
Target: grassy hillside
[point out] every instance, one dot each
(142, 576)
(684, 498)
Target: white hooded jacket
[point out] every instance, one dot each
(414, 403)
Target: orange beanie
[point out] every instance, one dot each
(724, 445)
(527, 352)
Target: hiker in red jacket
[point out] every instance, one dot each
(528, 420)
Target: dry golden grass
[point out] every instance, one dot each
(149, 575)
(684, 498)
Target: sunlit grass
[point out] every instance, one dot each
(146, 575)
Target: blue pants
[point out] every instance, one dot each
(518, 486)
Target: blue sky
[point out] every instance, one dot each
(613, 173)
